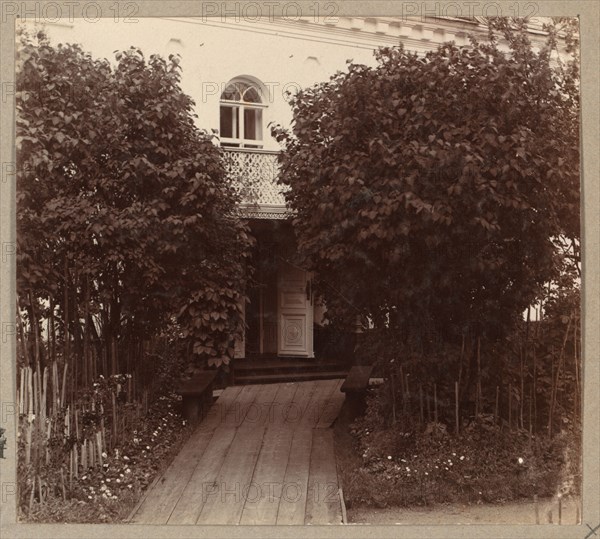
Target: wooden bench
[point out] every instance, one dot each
(355, 387)
(197, 395)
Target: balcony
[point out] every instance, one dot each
(254, 173)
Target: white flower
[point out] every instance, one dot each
(89, 497)
(127, 470)
(108, 480)
(118, 480)
(148, 447)
(389, 457)
(130, 485)
(426, 473)
(125, 457)
(521, 461)
(104, 455)
(462, 457)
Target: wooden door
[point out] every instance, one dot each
(295, 312)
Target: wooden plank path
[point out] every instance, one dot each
(263, 455)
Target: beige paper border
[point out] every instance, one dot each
(589, 13)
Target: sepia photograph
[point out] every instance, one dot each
(292, 267)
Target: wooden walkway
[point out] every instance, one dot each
(263, 455)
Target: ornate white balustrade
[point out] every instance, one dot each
(254, 173)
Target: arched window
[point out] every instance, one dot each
(241, 123)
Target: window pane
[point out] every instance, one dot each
(229, 125)
(231, 93)
(253, 124)
(252, 95)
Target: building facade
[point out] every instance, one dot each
(239, 73)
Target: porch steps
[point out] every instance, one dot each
(271, 371)
(288, 377)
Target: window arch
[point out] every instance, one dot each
(241, 114)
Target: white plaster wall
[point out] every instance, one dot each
(284, 55)
(212, 54)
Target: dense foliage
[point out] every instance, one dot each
(125, 215)
(431, 191)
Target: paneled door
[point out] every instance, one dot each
(295, 312)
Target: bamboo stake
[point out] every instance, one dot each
(28, 443)
(435, 402)
(31, 496)
(36, 404)
(114, 417)
(522, 389)
(421, 403)
(478, 386)
(48, 438)
(99, 445)
(393, 398)
(534, 390)
(30, 409)
(54, 387)
(577, 397)
(62, 480)
(456, 406)
(537, 509)
(553, 397)
(21, 394)
(36, 330)
(84, 459)
(45, 392)
(40, 490)
(428, 401)
(530, 412)
(559, 509)
(64, 385)
(460, 360)
(497, 404)
(509, 406)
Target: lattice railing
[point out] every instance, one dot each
(254, 173)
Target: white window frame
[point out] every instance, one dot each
(242, 106)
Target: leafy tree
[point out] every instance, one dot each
(431, 192)
(125, 214)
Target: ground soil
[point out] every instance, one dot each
(509, 513)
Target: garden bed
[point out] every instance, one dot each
(384, 466)
(107, 494)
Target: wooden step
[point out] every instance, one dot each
(274, 378)
(277, 366)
